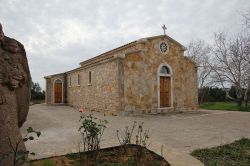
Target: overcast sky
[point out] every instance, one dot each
(58, 34)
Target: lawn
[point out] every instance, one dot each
(230, 106)
(234, 154)
(220, 106)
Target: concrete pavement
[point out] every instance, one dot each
(178, 133)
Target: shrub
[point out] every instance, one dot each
(91, 130)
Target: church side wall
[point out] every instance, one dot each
(140, 78)
(48, 99)
(102, 94)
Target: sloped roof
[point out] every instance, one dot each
(103, 55)
(108, 54)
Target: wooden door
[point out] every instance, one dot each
(58, 92)
(165, 92)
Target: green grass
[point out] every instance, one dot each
(46, 162)
(234, 154)
(230, 106)
(49, 163)
(220, 106)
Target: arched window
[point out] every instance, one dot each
(164, 70)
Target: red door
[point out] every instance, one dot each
(58, 92)
(165, 92)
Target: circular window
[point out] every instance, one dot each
(164, 48)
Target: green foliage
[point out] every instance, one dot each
(131, 162)
(48, 163)
(234, 154)
(157, 163)
(244, 109)
(36, 92)
(230, 106)
(21, 156)
(211, 94)
(91, 130)
(232, 92)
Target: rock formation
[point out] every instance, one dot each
(15, 82)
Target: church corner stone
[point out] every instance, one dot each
(15, 82)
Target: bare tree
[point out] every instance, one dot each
(231, 67)
(200, 53)
(247, 59)
(246, 18)
(246, 22)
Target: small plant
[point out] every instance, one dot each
(141, 138)
(21, 156)
(91, 130)
(128, 133)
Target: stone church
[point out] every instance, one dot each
(149, 75)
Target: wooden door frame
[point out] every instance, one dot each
(54, 90)
(159, 75)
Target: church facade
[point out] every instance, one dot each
(149, 75)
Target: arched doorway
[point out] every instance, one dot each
(164, 86)
(58, 91)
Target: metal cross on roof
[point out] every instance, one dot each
(164, 29)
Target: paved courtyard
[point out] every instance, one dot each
(177, 133)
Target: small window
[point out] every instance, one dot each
(69, 80)
(89, 77)
(164, 70)
(78, 79)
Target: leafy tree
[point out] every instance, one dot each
(36, 92)
(212, 94)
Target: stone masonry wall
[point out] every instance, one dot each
(140, 77)
(48, 90)
(103, 92)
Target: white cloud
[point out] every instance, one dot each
(59, 34)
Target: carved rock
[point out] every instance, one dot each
(15, 82)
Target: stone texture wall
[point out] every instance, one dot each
(141, 72)
(50, 87)
(103, 92)
(128, 80)
(48, 91)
